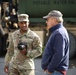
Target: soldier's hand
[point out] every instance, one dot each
(23, 51)
(6, 69)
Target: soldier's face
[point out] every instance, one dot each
(23, 25)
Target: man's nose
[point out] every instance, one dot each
(46, 22)
(24, 24)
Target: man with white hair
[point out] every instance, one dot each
(55, 58)
(24, 46)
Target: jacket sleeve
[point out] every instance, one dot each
(36, 48)
(10, 51)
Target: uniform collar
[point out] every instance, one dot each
(25, 34)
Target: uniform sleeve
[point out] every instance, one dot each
(10, 51)
(36, 48)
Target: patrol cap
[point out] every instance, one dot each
(53, 13)
(23, 17)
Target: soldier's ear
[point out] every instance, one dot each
(28, 23)
(18, 23)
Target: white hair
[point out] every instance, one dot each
(59, 19)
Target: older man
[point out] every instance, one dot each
(24, 46)
(55, 59)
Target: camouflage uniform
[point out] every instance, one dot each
(18, 63)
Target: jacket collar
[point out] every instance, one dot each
(56, 27)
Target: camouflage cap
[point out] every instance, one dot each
(53, 13)
(23, 17)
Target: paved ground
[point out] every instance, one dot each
(38, 70)
(71, 71)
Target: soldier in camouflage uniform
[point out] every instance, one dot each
(18, 62)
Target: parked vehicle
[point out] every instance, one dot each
(38, 8)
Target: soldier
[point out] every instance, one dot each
(24, 46)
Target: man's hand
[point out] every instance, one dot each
(47, 72)
(6, 69)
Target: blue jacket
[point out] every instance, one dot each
(56, 52)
